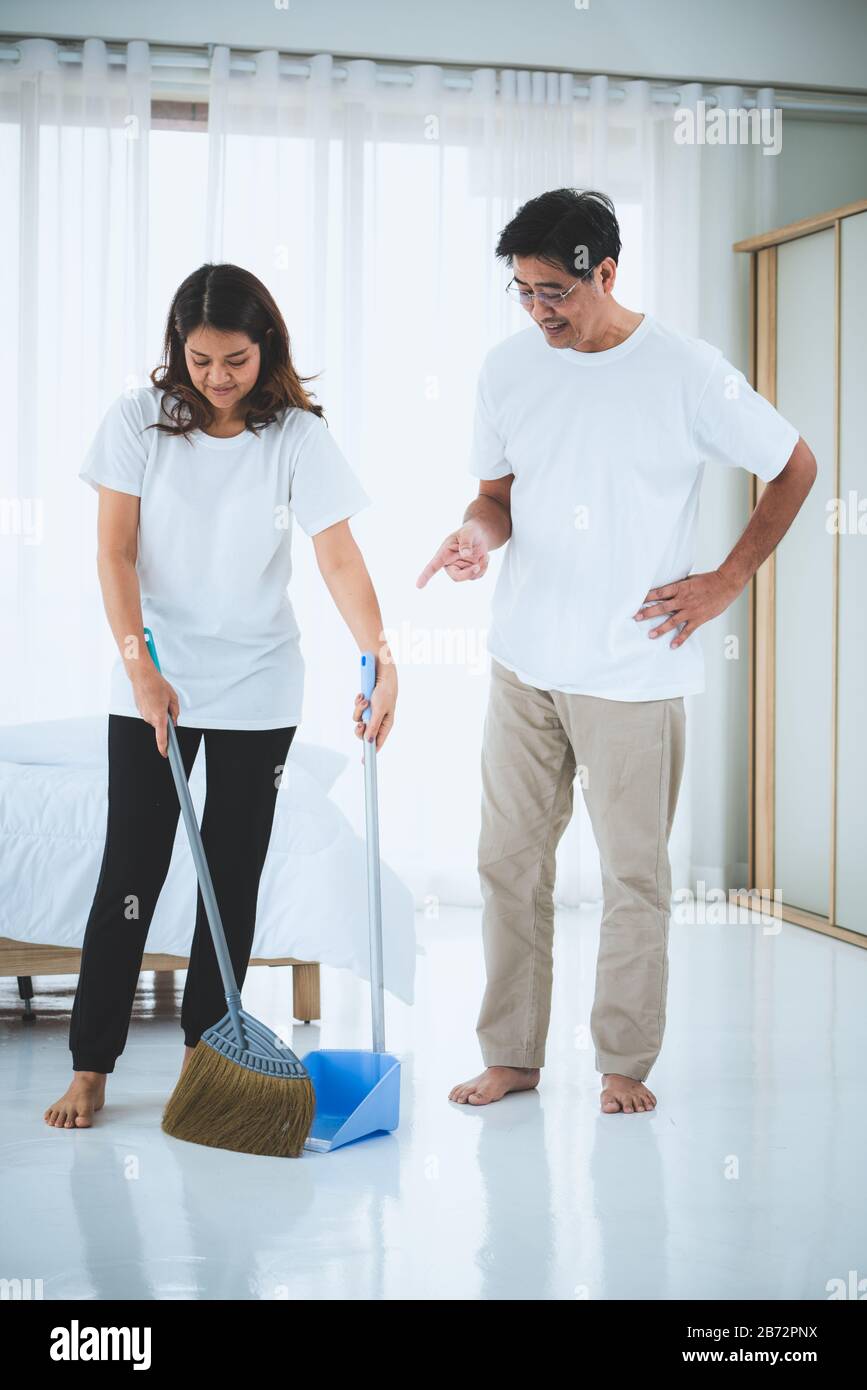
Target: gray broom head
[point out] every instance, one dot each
(256, 1099)
(263, 1051)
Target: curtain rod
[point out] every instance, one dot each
(458, 78)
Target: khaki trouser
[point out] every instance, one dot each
(631, 758)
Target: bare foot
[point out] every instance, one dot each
(626, 1094)
(75, 1109)
(493, 1084)
(188, 1052)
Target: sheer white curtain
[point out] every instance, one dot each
(73, 248)
(371, 211)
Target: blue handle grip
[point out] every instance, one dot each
(368, 680)
(151, 646)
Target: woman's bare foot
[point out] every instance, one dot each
(626, 1094)
(493, 1084)
(75, 1109)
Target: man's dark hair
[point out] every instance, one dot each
(558, 226)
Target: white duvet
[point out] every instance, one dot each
(312, 895)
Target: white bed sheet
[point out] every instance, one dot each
(312, 895)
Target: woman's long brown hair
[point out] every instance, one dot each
(230, 300)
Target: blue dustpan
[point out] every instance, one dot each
(358, 1093)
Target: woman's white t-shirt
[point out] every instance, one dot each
(608, 451)
(215, 553)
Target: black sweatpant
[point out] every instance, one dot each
(243, 768)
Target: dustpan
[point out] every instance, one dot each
(358, 1093)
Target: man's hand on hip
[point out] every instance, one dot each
(690, 602)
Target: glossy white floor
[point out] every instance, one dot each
(746, 1182)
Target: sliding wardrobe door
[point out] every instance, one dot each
(851, 859)
(804, 583)
(808, 615)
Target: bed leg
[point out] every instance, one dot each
(25, 991)
(305, 991)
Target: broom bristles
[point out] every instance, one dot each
(220, 1103)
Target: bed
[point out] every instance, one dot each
(312, 906)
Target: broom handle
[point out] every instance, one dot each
(203, 873)
(374, 890)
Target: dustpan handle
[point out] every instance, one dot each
(203, 873)
(374, 889)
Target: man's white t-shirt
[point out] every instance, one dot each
(608, 451)
(215, 553)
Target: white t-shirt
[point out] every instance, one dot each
(608, 451)
(215, 553)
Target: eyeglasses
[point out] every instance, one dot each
(544, 296)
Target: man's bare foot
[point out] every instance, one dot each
(188, 1052)
(626, 1094)
(493, 1084)
(75, 1109)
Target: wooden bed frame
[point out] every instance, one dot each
(26, 959)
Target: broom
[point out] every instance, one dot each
(243, 1088)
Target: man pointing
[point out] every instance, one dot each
(592, 429)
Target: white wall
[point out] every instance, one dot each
(823, 165)
(793, 42)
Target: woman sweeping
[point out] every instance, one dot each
(196, 476)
